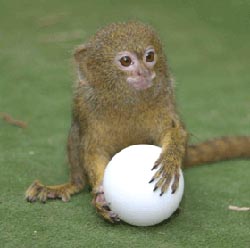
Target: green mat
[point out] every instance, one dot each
(207, 43)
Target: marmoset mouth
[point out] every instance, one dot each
(141, 82)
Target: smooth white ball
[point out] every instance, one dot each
(128, 191)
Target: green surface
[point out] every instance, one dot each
(207, 43)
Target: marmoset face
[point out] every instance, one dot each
(138, 68)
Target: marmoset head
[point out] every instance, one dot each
(122, 55)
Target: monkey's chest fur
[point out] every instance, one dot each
(113, 128)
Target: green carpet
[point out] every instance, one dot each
(207, 43)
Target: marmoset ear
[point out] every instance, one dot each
(79, 53)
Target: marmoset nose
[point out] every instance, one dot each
(142, 71)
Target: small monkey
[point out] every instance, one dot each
(125, 96)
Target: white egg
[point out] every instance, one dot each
(129, 193)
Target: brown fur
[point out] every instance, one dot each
(108, 115)
(223, 148)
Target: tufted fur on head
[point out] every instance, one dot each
(95, 58)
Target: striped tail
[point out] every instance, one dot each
(219, 149)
